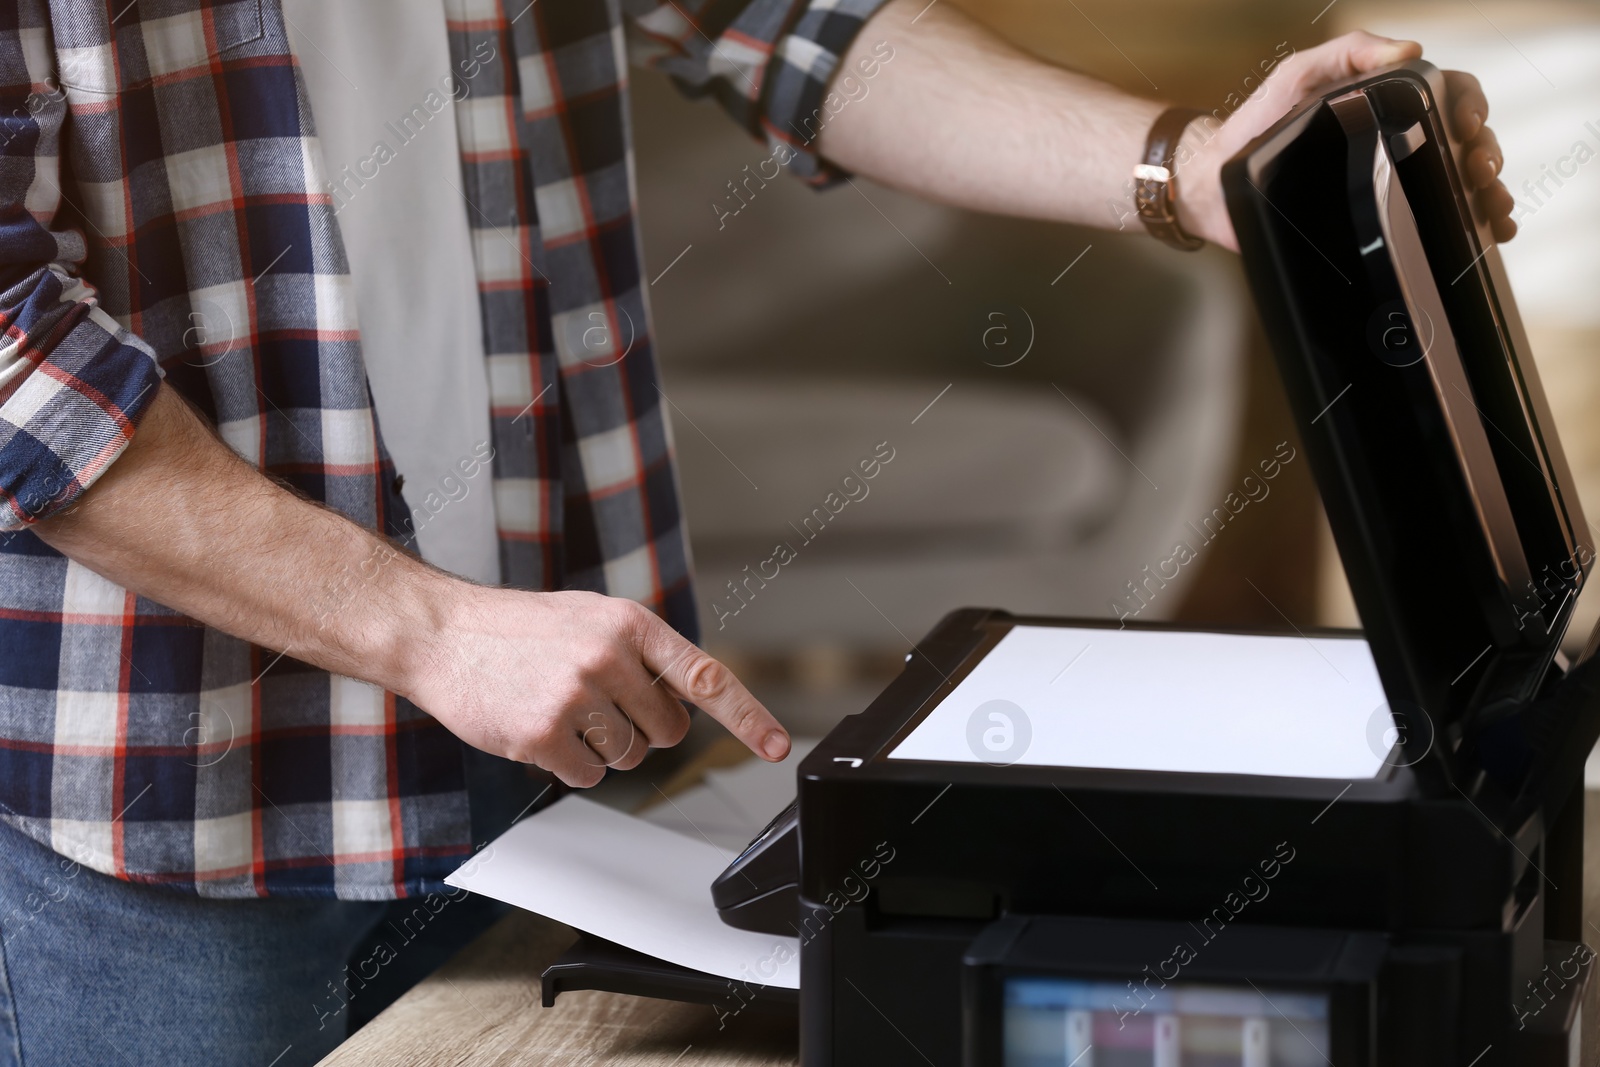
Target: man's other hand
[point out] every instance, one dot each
(576, 682)
(1201, 208)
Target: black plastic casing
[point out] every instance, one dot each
(757, 890)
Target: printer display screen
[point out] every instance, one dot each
(1066, 1022)
(1165, 700)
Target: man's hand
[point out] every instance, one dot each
(573, 682)
(1201, 154)
(576, 682)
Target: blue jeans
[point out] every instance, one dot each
(97, 971)
(100, 971)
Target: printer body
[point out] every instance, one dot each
(1431, 924)
(981, 911)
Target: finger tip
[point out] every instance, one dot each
(1398, 51)
(775, 746)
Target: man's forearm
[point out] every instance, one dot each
(183, 520)
(962, 117)
(573, 681)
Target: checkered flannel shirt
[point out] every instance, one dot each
(165, 212)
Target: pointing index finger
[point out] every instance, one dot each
(703, 681)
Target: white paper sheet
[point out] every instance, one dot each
(1165, 701)
(733, 804)
(623, 879)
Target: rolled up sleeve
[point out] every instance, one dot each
(73, 382)
(769, 63)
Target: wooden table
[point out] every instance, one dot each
(482, 1010)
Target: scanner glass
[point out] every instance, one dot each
(1156, 700)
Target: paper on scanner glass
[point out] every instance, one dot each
(1061, 841)
(1166, 700)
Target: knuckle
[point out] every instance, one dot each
(542, 736)
(598, 738)
(675, 730)
(609, 745)
(660, 732)
(1294, 72)
(744, 720)
(593, 662)
(580, 776)
(631, 618)
(648, 633)
(705, 678)
(569, 697)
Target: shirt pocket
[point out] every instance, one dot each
(104, 49)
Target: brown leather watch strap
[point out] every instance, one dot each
(1155, 185)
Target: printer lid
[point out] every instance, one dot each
(1409, 374)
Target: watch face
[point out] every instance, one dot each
(1052, 1021)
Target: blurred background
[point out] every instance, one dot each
(1059, 402)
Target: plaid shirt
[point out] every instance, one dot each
(165, 211)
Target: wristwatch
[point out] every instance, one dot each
(1155, 184)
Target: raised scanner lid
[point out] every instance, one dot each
(1409, 374)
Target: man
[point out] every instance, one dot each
(220, 680)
